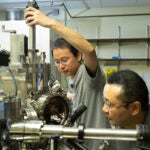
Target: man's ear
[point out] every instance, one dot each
(135, 107)
(79, 57)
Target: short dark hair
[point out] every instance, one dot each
(134, 87)
(62, 43)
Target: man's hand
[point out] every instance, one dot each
(33, 16)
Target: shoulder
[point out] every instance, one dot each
(99, 76)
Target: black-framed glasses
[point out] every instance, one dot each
(110, 106)
(62, 61)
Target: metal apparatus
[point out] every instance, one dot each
(43, 120)
(21, 131)
(31, 72)
(51, 107)
(10, 107)
(37, 131)
(43, 99)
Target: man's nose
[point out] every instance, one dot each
(105, 108)
(60, 65)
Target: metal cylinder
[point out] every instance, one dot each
(10, 107)
(37, 76)
(14, 15)
(46, 131)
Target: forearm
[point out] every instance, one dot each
(74, 38)
(34, 16)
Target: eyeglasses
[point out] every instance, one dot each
(62, 61)
(110, 106)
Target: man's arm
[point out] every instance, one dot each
(34, 16)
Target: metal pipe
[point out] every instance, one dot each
(117, 134)
(32, 38)
(89, 133)
(32, 34)
(37, 128)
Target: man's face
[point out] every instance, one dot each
(116, 111)
(66, 62)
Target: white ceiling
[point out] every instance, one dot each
(73, 4)
(79, 5)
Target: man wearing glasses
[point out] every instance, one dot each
(126, 102)
(88, 78)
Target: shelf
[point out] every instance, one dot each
(123, 59)
(120, 40)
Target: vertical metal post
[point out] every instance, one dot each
(148, 44)
(32, 34)
(119, 36)
(97, 38)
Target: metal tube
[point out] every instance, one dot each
(46, 131)
(117, 134)
(32, 37)
(90, 133)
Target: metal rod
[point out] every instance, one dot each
(148, 44)
(36, 128)
(32, 37)
(90, 133)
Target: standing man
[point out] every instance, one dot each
(126, 103)
(88, 78)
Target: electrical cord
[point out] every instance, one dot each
(14, 81)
